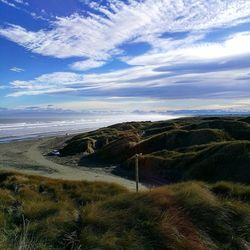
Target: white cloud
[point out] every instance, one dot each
(97, 38)
(15, 69)
(58, 82)
(139, 78)
(235, 45)
(15, 3)
(144, 105)
(54, 82)
(94, 39)
(236, 105)
(125, 104)
(87, 64)
(19, 1)
(239, 44)
(8, 3)
(21, 6)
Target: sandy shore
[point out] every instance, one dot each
(27, 157)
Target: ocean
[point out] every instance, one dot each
(15, 129)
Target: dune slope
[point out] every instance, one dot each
(202, 148)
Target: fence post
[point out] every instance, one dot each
(137, 171)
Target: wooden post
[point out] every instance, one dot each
(137, 171)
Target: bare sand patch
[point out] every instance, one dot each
(27, 157)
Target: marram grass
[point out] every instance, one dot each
(40, 213)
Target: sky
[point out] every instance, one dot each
(130, 56)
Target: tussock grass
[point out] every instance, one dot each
(40, 213)
(231, 190)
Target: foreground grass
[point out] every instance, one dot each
(40, 213)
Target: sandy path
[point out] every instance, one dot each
(31, 161)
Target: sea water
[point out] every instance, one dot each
(14, 129)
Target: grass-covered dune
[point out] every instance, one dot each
(202, 148)
(40, 213)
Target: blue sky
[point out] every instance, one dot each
(106, 56)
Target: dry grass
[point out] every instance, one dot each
(40, 213)
(44, 214)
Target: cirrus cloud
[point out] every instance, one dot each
(16, 69)
(96, 37)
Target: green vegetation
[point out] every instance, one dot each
(206, 206)
(202, 148)
(40, 213)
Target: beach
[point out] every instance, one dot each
(26, 141)
(29, 157)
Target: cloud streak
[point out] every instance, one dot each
(96, 37)
(17, 70)
(151, 56)
(185, 72)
